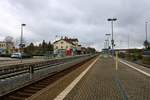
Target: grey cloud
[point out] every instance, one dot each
(84, 19)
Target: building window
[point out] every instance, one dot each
(61, 47)
(62, 42)
(56, 47)
(66, 47)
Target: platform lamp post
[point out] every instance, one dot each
(146, 41)
(108, 39)
(105, 44)
(112, 40)
(21, 45)
(146, 29)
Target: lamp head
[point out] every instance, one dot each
(23, 24)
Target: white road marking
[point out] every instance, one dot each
(64, 93)
(139, 70)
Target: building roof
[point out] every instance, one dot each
(73, 40)
(69, 40)
(2, 42)
(6, 42)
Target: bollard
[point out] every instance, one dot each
(116, 60)
(31, 70)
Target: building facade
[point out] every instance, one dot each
(6, 47)
(66, 47)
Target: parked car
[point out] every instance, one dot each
(16, 55)
(20, 55)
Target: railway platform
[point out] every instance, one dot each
(95, 79)
(99, 80)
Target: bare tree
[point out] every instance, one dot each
(8, 39)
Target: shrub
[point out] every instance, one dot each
(146, 60)
(5, 55)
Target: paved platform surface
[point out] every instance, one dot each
(103, 82)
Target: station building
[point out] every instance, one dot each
(67, 47)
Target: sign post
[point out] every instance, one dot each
(117, 60)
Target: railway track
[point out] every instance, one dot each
(32, 88)
(14, 70)
(11, 72)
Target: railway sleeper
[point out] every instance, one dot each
(35, 88)
(40, 86)
(29, 91)
(24, 94)
(13, 97)
(44, 83)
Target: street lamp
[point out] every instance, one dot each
(146, 43)
(106, 44)
(146, 29)
(108, 39)
(112, 41)
(21, 45)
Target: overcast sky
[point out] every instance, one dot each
(82, 19)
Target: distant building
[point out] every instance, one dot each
(67, 47)
(83, 50)
(127, 50)
(6, 47)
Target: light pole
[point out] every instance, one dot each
(21, 45)
(146, 43)
(128, 41)
(146, 30)
(108, 39)
(105, 44)
(112, 41)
